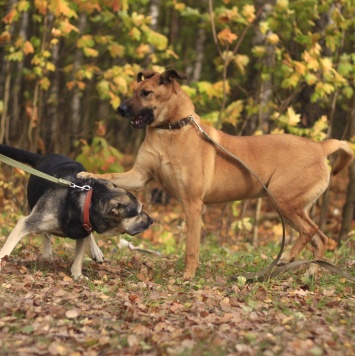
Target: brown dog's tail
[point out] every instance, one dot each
(346, 154)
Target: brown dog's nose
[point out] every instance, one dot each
(122, 109)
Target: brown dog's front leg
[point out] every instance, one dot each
(134, 180)
(193, 212)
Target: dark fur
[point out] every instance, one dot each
(58, 210)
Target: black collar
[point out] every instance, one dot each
(177, 125)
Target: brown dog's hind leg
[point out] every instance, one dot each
(319, 244)
(306, 229)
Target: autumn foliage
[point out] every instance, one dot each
(254, 67)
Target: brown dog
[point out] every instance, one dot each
(196, 172)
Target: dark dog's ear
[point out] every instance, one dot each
(146, 74)
(169, 75)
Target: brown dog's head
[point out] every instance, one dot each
(157, 98)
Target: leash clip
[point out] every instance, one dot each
(82, 188)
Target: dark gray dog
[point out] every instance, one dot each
(72, 212)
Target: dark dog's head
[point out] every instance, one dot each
(116, 211)
(157, 98)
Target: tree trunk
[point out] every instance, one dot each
(5, 116)
(200, 45)
(261, 86)
(349, 207)
(76, 102)
(16, 94)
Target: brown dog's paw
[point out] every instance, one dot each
(285, 259)
(189, 275)
(85, 175)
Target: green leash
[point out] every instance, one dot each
(40, 174)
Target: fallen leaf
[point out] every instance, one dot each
(72, 314)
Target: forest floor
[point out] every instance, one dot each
(138, 304)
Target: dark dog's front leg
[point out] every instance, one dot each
(193, 212)
(76, 269)
(16, 235)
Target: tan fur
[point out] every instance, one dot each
(196, 173)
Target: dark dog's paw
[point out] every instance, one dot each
(96, 254)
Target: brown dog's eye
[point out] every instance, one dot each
(146, 92)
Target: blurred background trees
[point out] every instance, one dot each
(262, 66)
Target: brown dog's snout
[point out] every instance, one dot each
(122, 109)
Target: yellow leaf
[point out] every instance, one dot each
(10, 16)
(115, 101)
(312, 63)
(281, 4)
(23, 5)
(241, 61)
(116, 50)
(50, 66)
(66, 27)
(61, 7)
(142, 50)
(121, 84)
(300, 67)
(56, 32)
(135, 34)
(233, 112)
(290, 118)
(264, 27)
(156, 39)
(81, 85)
(273, 38)
(45, 83)
(70, 85)
(249, 12)
(319, 128)
(41, 6)
(179, 6)
(311, 79)
(327, 64)
(258, 51)
(90, 52)
(227, 36)
(28, 48)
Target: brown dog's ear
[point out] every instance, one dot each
(169, 75)
(146, 74)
